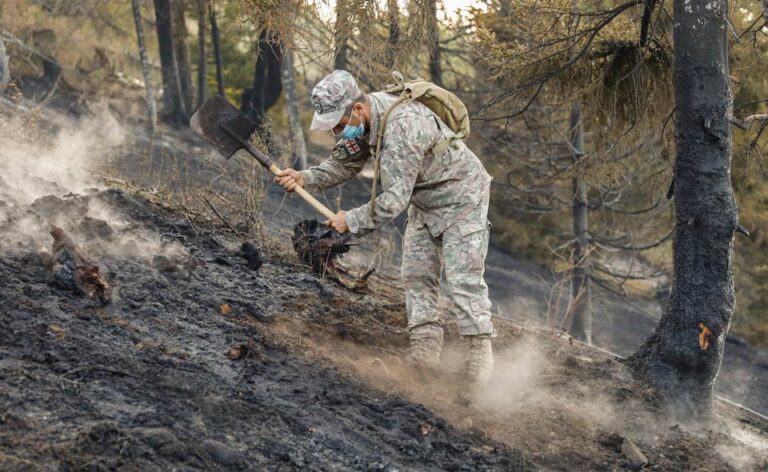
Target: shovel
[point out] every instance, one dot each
(229, 130)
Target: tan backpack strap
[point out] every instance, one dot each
(447, 142)
(377, 151)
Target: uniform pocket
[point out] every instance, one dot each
(467, 229)
(480, 306)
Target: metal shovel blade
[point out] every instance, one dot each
(215, 116)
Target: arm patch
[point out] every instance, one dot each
(351, 149)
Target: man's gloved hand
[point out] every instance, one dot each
(289, 179)
(338, 222)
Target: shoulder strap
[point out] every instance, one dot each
(448, 142)
(377, 150)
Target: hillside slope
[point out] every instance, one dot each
(202, 363)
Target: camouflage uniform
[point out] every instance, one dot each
(447, 220)
(447, 225)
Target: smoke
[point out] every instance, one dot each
(546, 397)
(38, 161)
(51, 168)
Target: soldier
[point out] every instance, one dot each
(447, 225)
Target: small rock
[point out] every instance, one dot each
(237, 352)
(222, 261)
(636, 460)
(94, 228)
(258, 314)
(164, 441)
(221, 453)
(612, 441)
(251, 255)
(164, 264)
(46, 260)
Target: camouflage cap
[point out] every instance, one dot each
(331, 96)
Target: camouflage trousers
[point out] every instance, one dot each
(460, 251)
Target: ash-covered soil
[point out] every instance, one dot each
(203, 363)
(178, 372)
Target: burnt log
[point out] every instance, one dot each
(76, 270)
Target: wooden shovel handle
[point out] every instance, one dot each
(267, 162)
(307, 197)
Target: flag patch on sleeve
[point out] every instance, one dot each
(352, 146)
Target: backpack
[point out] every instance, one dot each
(446, 105)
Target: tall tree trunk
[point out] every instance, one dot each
(216, 38)
(433, 31)
(581, 292)
(201, 58)
(5, 73)
(682, 358)
(505, 8)
(173, 105)
(341, 36)
(151, 103)
(394, 33)
(298, 146)
(267, 83)
(182, 52)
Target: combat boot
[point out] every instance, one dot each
(479, 359)
(425, 345)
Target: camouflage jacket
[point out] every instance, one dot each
(441, 189)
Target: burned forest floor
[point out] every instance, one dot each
(209, 360)
(214, 349)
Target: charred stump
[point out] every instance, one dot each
(76, 270)
(682, 358)
(318, 245)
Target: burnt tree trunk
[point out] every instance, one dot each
(182, 52)
(201, 59)
(433, 32)
(581, 292)
(298, 146)
(341, 36)
(151, 103)
(394, 33)
(682, 358)
(5, 73)
(216, 39)
(173, 105)
(267, 83)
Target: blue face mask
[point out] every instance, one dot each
(352, 132)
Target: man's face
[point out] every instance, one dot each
(354, 118)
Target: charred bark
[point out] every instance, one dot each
(216, 39)
(581, 292)
(682, 358)
(341, 36)
(201, 58)
(182, 52)
(173, 105)
(394, 33)
(645, 23)
(433, 30)
(298, 146)
(267, 85)
(151, 103)
(5, 74)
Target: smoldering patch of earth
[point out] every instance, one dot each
(223, 367)
(152, 382)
